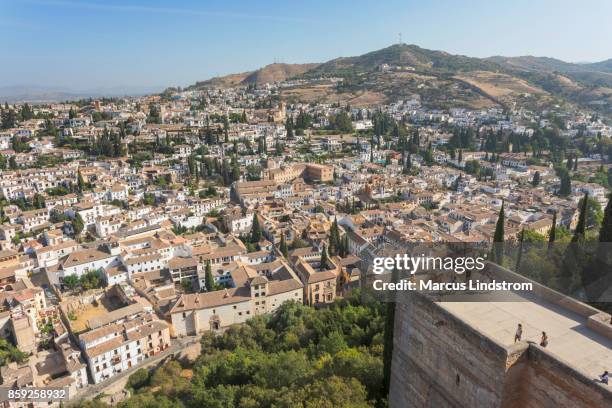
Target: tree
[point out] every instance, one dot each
(138, 380)
(71, 281)
(520, 250)
(582, 219)
(334, 238)
(552, 233)
(10, 353)
(77, 225)
(565, 188)
(38, 201)
(209, 280)
(154, 114)
(9, 119)
(26, 112)
(498, 237)
(536, 179)
(575, 271)
(283, 246)
(594, 213)
(605, 232)
(256, 231)
(341, 122)
(344, 246)
(324, 259)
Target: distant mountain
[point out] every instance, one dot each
(37, 93)
(603, 66)
(270, 73)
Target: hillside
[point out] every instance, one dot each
(277, 72)
(535, 63)
(603, 66)
(270, 73)
(402, 55)
(440, 80)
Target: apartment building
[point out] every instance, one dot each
(116, 347)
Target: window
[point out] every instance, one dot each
(239, 313)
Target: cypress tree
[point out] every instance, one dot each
(344, 246)
(283, 246)
(209, 282)
(605, 232)
(334, 238)
(324, 259)
(566, 184)
(520, 250)
(498, 237)
(80, 181)
(581, 227)
(552, 234)
(332, 244)
(256, 232)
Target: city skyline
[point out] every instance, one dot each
(92, 45)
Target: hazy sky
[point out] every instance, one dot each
(106, 43)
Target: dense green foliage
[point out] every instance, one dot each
(298, 357)
(10, 353)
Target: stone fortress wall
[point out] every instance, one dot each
(440, 360)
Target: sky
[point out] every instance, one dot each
(108, 44)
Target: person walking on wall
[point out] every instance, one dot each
(544, 340)
(519, 333)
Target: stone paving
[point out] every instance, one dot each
(568, 336)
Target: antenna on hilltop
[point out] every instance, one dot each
(400, 38)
